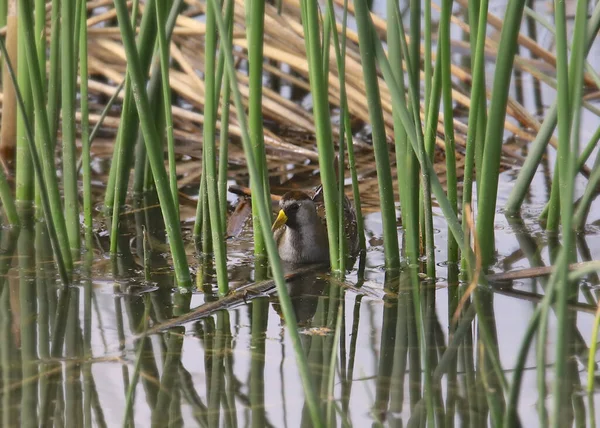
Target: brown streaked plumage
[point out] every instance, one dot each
(300, 229)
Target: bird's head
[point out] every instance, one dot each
(296, 210)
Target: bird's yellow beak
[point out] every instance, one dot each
(279, 221)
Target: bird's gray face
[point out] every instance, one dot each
(297, 210)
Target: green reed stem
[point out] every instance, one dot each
(344, 119)
(591, 368)
(568, 149)
(495, 128)
(564, 120)
(589, 148)
(154, 148)
(255, 34)
(550, 27)
(417, 145)
(8, 202)
(100, 122)
(326, 22)
(382, 159)
(433, 106)
(40, 31)
(477, 95)
(24, 186)
(116, 186)
(345, 128)
(424, 200)
(406, 165)
(583, 208)
(48, 180)
(68, 83)
(427, 66)
(224, 147)
(209, 150)
(478, 135)
(322, 119)
(538, 147)
(85, 130)
(54, 85)
(452, 182)
(225, 114)
(166, 96)
(48, 214)
(257, 188)
(412, 58)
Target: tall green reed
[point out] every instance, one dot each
(68, 85)
(345, 134)
(225, 114)
(85, 131)
(445, 60)
(49, 182)
(405, 159)
(569, 115)
(161, 11)
(116, 185)
(322, 120)
(475, 139)
(46, 205)
(25, 182)
(382, 159)
(153, 148)
(209, 150)
(255, 10)
(537, 149)
(488, 178)
(264, 210)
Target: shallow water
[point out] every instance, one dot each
(79, 357)
(236, 367)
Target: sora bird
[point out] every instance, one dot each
(300, 229)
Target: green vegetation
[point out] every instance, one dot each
(302, 81)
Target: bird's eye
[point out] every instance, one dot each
(293, 207)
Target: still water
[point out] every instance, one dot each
(236, 366)
(81, 356)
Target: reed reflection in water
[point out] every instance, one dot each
(381, 350)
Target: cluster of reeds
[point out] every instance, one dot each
(385, 90)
